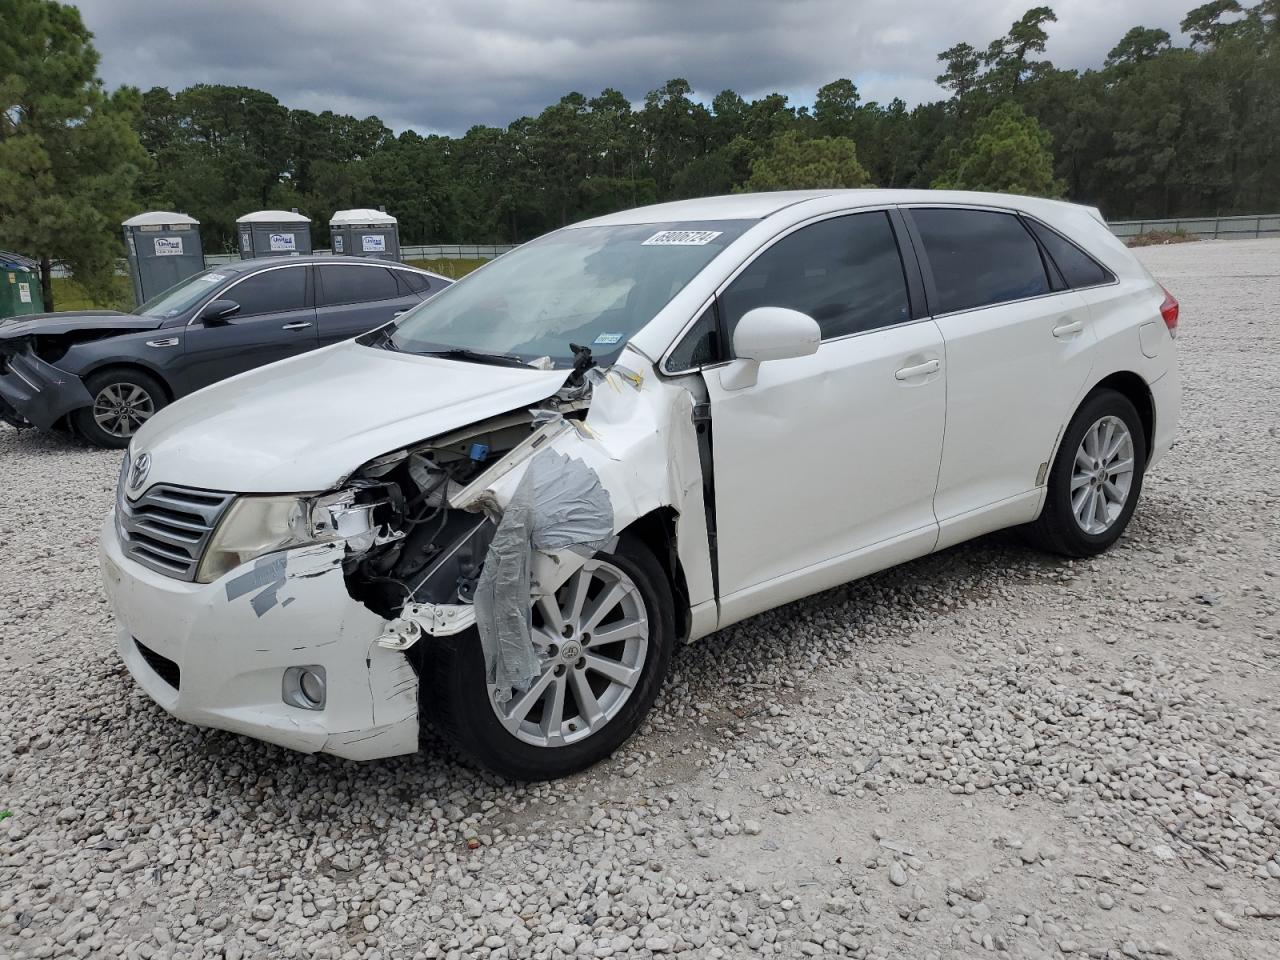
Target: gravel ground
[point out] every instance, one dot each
(987, 750)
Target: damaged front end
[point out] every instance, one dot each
(34, 392)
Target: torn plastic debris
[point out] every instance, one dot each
(558, 504)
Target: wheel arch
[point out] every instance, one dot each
(1135, 389)
(657, 531)
(106, 366)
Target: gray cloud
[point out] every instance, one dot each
(445, 67)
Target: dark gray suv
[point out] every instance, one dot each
(104, 373)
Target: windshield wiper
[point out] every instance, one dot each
(477, 356)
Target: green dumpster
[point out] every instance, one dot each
(19, 285)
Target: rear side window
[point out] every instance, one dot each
(1077, 267)
(411, 282)
(350, 283)
(846, 273)
(271, 291)
(979, 257)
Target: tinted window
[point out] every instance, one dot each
(699, 346)
(271, 292)
(411, 282)
(979, 257)
(351, 283)
(1078, 268)
(845, 273)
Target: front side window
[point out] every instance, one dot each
(846, 273)
(351, 283)
(271, 291)
(589, 286)
(978, 258)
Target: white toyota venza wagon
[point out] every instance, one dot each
(499, 513)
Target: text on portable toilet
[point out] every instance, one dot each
(375, 243)
(337, 243)
(24, 292)
(283, 241)
(168, 246)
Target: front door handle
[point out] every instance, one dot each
(1067, 329)
(296, 325)
(920, 369)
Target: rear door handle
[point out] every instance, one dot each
(1067, 329)
(920, 369)
(296, 325)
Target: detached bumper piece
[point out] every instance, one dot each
(35, 393)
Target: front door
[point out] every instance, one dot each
(826, 467)
(275, 321)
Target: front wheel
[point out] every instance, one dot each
(604, 641)
(1096, 478)
(123, 400)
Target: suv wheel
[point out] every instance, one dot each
(605, 642)
(1096, 478)
(123, 400)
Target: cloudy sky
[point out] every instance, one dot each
(446, 66)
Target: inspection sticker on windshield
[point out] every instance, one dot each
(682, 238)
(608, 338)
(214, 277)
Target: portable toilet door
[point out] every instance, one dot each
(20, 292)
(365, 233)
(274, 233)
(163, 248)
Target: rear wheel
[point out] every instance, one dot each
(123, 400)
(604, 641)
(1096, 478)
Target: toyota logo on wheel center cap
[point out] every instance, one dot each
(138, 472)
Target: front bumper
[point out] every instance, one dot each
(37, 392)
(227, 654)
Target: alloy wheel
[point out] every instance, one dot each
(592, 637)
(121, 408)
(1102, 475)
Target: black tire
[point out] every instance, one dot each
(1056, 529)
(454, 695)
(126, 379)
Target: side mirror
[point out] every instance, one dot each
(768, 333)
(218, 312)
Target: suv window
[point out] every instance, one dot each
(979, 257)
(700, 345)
(411, 282)
(846, 273)
(272, 291)
(1077, 267)
(352, 283)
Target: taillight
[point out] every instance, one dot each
(1169, 310)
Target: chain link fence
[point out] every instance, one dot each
(1217, 228)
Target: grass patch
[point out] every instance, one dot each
(69, 295)
(454, 269)
(1157, 238)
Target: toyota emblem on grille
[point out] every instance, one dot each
(138, 473)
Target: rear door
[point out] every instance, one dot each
(1018, 354)
(827, 456)
(354, 298)
(275, 320)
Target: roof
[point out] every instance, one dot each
(16, 261)
(160, 218)
(273, 216)
(757, 206)
(360, 217)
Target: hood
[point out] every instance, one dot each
(84, 320)
(305, 424)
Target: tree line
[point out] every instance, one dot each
(1156, 129)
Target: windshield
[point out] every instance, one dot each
(186, 293)
(591, 286)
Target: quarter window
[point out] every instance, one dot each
(979, 257)
(846, 273)
(1077, 267)
(700, 345)
(271, 291)
(411, 282)
(352, 283)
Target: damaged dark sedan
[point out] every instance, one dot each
(102, 374)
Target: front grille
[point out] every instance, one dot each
(167, 528)
(165, 669)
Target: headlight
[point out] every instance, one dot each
(255, 526)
